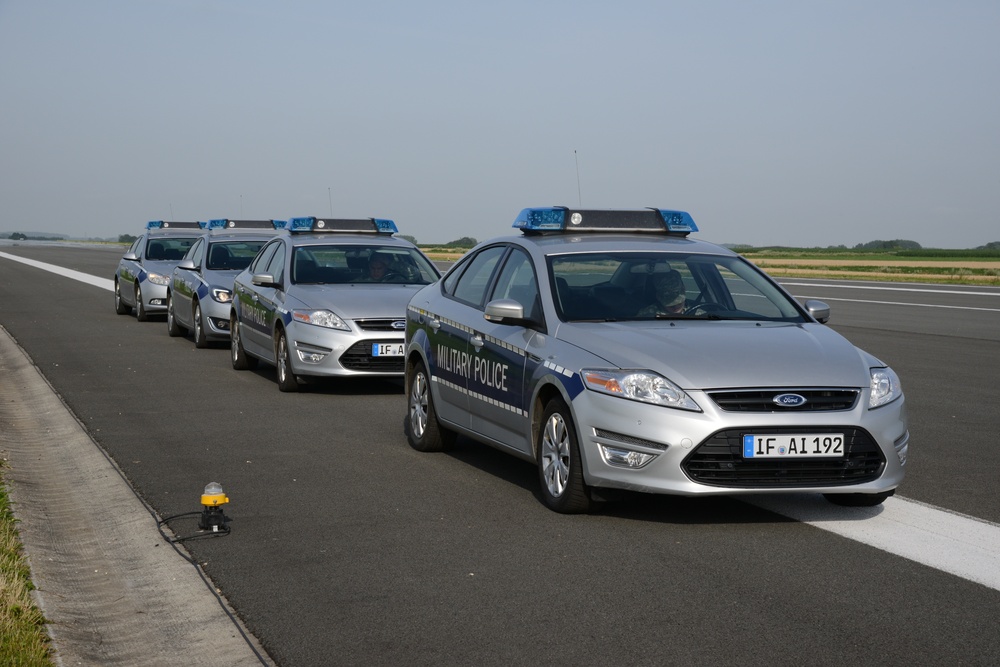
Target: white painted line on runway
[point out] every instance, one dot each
(891, 289)
(897, 303)
(69, 273)
(955, 543)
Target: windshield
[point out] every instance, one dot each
(659, 285)
(232, 255)
(341, 264)
(167, 249)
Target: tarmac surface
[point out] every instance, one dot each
(114, 590)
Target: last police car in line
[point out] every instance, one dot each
(615, 352)
(327, 298)
(201, 286)
(143, 273)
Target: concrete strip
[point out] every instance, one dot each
(113, 590)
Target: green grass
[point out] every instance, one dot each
(23, 640)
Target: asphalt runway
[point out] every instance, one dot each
(348, 547)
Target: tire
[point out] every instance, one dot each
(200, 339)
(140, 309)
(858, 499)
(173, 329)
(121, 307)
(423, 431)
(560, 468)
(283, 363)
(241, 360)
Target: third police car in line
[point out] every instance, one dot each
(327, 298)
(616, 352)
(201, 287)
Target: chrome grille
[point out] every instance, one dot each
(762, 400)
(382, 324)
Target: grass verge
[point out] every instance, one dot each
(23, 639)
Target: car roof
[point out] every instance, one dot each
(338, 238)
(556, 244)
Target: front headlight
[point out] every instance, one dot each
(885, 387)
(222, 295)
(643, 386)
(157, 279)
(320, 318)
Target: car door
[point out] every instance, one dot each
(255, 318)
(128, 269)
(502, 353)
(184, 284)
(449, 326)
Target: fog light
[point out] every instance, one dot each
(212, 517)
(311, 357)
(625, 458)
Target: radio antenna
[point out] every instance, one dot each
(579, 193)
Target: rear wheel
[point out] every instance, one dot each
(283, 360)
(173, 329)
(140, 308)
(120, 306)
(241, 360)
(423, 431)
(858, 499)
(200, 339)
(560, 469)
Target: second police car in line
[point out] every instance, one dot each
(200, 292)
(327, 298)
(143, 273)
(617, 353)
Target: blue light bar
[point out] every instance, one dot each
(349, 226)
(163, 224)
(562, 219)
(227, 224)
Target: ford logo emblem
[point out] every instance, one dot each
(399, 325)
(789, 400)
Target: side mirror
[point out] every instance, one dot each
(819, 310)
(504, 311)
(263, 280)
(131, 257)
(187, 264)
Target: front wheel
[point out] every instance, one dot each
(560, 468)
(283, 360)
(200, 338)
(241, 360)
(858, 499)
(173, 329)
(140, 308)
(423, 431)
(121, 307)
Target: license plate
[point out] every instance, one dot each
(793, 446)
(387, 349)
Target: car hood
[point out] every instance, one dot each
(729, 354)
(163, 268)
(357, 301)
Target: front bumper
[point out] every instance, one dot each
(701, 453)
(317, 351)
(154, 297)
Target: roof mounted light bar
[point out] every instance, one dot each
(560, 219)
(227, 224)
(164, 224)
(342, 225)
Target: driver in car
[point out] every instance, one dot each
(669, 296)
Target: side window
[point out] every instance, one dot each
(196, 252)
(134, 248)
(257, 266)
(517, 281)
(472, 284)
(276, 267)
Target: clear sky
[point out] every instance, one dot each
(788, 122)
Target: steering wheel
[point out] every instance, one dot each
(706, 307)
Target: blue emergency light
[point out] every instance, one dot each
(164, 224)
(226, 223)
(562, 219)
(356, 226)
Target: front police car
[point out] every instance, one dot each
(617, 353)
(143, 273)
(327, 298)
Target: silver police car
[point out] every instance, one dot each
(144, 270)
(327, 298)
(616, 352)
(200, 292)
